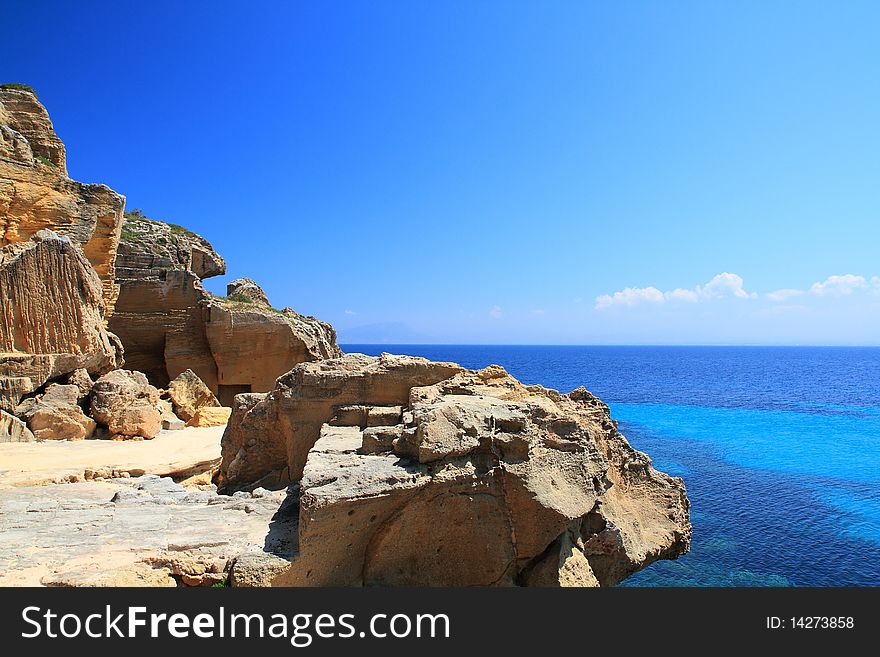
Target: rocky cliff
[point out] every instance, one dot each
(51, 316)
(418, 473)
(36, 193)
(169, 323)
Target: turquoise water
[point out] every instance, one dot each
(779, 449)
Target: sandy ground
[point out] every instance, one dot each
(140, 531)
(105, 513)
(171, 453)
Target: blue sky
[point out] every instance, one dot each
(481, 172)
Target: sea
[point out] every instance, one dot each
(779, 448)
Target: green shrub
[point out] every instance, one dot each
(180, 230)
(19, 87)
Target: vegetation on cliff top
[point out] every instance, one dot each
(135, 216)
(19, 87)
(242, 302)
(139, 230)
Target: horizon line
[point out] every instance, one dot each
(535, 344)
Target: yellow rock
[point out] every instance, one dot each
(210, 416)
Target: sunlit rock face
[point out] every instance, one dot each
(36, 192)
(169, 323)
(51, 316)
(418, 473)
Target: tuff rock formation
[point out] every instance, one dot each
(210, 416)
(169, 323)
(125, 403)
(419, 473)
(56, 414)
(246, 290)
(36, 193)
(189, 393)
(83, 382)
(14, 430)
(51, 316)
(269, 435)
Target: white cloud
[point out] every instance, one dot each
(629, 297)
(785, 294)
(680, 294)
(538, 311)
(350, 312)
(721, 286)
(839, 285)
(495, 312)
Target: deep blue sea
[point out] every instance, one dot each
(779, 448)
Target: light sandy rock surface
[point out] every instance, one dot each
(36, 193)
(257, 568)
(145, 531)
(175, 454)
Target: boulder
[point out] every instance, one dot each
(126, 404)
(56, 414)
(169, 323)
(36, 192)
(210, 416)
(83, 382)
(269, 436)
(51, 316)
(13, 430)
(246, 290)
(476, 480)
(256, 569)
(189, 393)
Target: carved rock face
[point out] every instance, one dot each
(36, 194)
(169, 323)
(51, 316)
